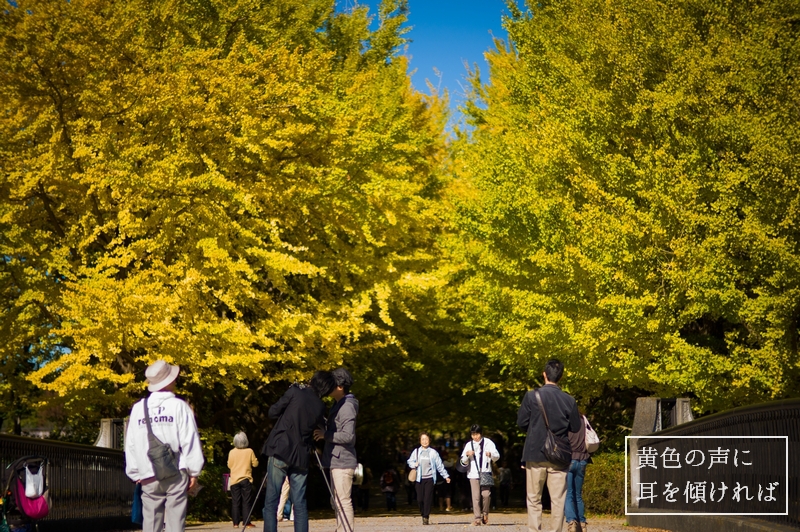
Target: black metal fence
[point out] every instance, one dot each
(88, 486)
(741, 426)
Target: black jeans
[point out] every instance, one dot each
(505, 490)
(425, 496)
(411, 492)
(363, 498)
(242, 495)
(391, 500)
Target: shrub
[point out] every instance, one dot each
(212, 503)
(604, 486)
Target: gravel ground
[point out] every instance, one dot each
(502, 522)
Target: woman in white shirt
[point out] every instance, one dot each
(478, 455)
(426, 462)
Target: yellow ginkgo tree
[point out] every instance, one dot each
(629, 192)
(247, 189)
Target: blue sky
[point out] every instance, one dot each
(444, 34)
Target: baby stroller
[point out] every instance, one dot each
(25, 497)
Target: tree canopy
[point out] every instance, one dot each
(629, 197)
(255, 190)
(246, 189)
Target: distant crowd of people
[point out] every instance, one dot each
(164, 456)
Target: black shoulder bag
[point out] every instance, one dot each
(485, 477)
(554, 450)
(160, 454)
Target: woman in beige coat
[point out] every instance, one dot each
(241, 461)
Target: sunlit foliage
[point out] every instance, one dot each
(243, 188)
(630, 199)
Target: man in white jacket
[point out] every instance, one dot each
(173, 423)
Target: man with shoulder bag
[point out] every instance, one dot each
(548, 415)
(163, 451)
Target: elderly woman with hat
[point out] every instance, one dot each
(163, 418)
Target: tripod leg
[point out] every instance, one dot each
(337, 504)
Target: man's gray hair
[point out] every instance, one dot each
(240, 441)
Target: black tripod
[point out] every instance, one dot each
(334, 496)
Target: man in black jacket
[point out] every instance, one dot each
(298, 413)
(562, 414)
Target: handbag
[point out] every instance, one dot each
(412, 474)
(358, 475)
(137, 515)
(592, 439)
(486, 478)
(554, 449)
(160, 454)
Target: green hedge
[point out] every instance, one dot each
(604, 485)
(212, 504)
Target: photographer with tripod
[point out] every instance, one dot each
(298, 413)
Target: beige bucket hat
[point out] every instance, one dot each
(160, 374)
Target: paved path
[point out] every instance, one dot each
(500, 522)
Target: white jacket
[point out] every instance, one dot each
(488, 445)
(173, 423)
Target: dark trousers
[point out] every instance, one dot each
(411, 492)
(425, 496)
(391, 500)
(363, 498)
(505, 490)
(242, 495)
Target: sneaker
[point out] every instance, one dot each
(426, 521)
(584, 527)
(573, 526)
(477, 522)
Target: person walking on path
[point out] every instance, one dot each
(426, 462)
(478, 455)
(563, 416)
(446, 488)
(241, 461)
(364, 489)
(172, 422)
(389, 483)
(409, 487)
(504, 483)
(285, 499)
(340, 448)
(297, 412)
(574, 508)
